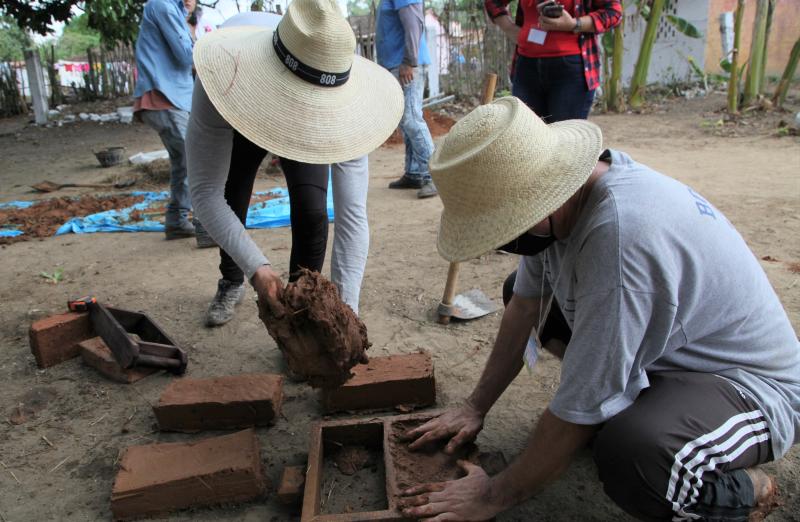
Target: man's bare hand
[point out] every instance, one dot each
(269, 287)
(406, 74)
(465, 499)
(461, 425)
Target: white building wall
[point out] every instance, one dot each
(668, 61)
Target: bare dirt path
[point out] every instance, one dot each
(754, 179)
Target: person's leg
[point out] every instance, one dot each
(680, 451)
(567, 95)
(171, 127)
(245, 160)
(308, 192)
(416, 135)
(527, 85)
(350, 228)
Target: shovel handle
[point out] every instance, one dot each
(487, 95)
(449, 293)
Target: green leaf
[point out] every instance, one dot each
(684, 27)
(726, 65)
(608, 42)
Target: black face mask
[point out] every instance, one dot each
(528, 244)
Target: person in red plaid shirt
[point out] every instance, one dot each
(557, 64)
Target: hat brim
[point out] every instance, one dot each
(288, 116)
(578, 143)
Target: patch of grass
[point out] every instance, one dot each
(56, 277)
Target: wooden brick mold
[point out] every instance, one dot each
(385, 382)
(403, 468)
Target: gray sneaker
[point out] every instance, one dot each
(179, 231)
(428, 190)
(221, 309)
(204, 240)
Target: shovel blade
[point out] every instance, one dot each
(469, 305)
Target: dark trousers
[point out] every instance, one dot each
(682, 446)
(308, 192)
(554, 88)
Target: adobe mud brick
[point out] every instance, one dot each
(290, 490)
(96, 354)
(385, 382)
(158, 478)
(236, 401)
(55, 339)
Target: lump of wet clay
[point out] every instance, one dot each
(320, 336)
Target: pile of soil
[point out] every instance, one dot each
(426, 465)
(439, 125)
(320, 336)
(350, 459)
(44, 218)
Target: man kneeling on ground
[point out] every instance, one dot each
(679, 363)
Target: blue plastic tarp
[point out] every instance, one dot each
(272, 213)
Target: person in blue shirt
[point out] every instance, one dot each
(164, 97)
(401, 49)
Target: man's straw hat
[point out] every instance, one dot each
(300, 91)
(501, 170)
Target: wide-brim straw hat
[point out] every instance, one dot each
(262, 95)
(501, 170)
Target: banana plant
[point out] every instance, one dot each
(752, 83)
(788, 74)
(733, 81)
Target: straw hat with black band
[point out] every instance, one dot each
(501, 170)
(300, 91)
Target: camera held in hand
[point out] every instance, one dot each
(552, 9)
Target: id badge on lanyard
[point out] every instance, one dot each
(537, 36)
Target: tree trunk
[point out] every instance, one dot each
(733, 81)
(788, 75)
(616, 102)
(639, 80)
(751, 85)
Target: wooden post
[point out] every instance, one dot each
(38, 90)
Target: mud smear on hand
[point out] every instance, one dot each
(429, 464)
(320, 336)
(44, 218)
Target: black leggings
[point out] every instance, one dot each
(308, 192)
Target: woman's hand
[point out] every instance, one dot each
(269, 287)
(565, 22)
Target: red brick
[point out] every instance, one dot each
(96, 354)
(159, 478)
(55, 339)
(236, 401)
(290, 490)
(385, 382)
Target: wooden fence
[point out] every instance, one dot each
(105, 74)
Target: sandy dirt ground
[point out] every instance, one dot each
(60, 465)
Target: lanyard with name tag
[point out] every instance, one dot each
(537, 36)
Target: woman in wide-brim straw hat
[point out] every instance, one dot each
(678, 360)
(299, 92)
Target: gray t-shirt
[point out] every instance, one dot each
(655, 278)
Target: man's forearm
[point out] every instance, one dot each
(547, 455)
(505, 361)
